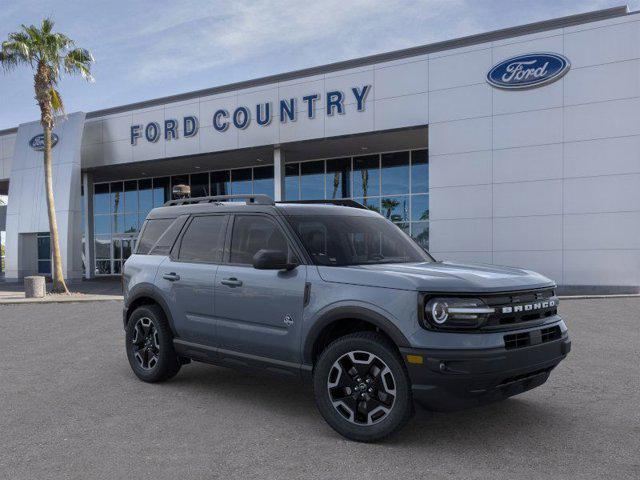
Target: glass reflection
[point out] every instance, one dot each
(338, 178)
(312, 180)
(366, 176)
(395, 173)
(395, 209)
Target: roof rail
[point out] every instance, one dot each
(257, 199)
(339, 202)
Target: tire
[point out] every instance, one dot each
(374, 412)
(149, 345)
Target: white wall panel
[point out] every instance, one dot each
(602, 231)
(459, 70)
(528, 128)
(612, 193)
(352, 121)
(460, 103)
(599, 83)
(400, 80)
(398, 112)
(117, 128)
(509, 101)
(540, 162)
(345, 82)
(465, 257)
(602, 157)
(461, 235)
(92, 132)
(527, 233)
(601, 120)
(473, 168)
(603, 45)
(527, 198)
(602, 267)
(212, 140)
(550, 41)
(460, 202)
(460, 136)
(303, 128)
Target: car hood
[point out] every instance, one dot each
(437, 277)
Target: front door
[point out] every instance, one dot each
(188, 277)
(259, 312)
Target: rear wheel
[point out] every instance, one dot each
(362, 388)
(149, 345)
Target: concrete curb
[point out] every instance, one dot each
(61, 299)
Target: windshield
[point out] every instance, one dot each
(341, 240)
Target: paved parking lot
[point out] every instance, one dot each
(71, 408)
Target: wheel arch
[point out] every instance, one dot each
(146, 294)
(344, 317)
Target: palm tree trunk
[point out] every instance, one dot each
(59, 285)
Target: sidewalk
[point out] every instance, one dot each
(95, 290)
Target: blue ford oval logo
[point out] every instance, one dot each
(37, 142)
(528, 71)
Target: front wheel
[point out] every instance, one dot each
(362, 388)
(150, 345)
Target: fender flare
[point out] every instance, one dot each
(149, 291)
(351, 312)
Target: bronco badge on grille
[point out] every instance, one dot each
(530, 307)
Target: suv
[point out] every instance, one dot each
(334, 293)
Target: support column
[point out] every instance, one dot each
(87, 208)
(278, 174)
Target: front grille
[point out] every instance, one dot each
(535, 337)
(515, 308)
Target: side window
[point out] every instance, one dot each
(153, 230)
(204, 239)
(252, 233)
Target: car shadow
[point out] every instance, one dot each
(517, 419)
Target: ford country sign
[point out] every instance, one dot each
(37, 142)
(528, 71)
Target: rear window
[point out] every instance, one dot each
(204, 239)
(152, 232)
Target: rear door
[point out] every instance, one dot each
(259, 312)
(187, 277)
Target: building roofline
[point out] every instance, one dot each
(469, 40)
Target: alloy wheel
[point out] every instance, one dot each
(146, 344)
(361, 387)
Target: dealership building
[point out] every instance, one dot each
(514, 147)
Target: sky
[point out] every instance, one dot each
(150, 49)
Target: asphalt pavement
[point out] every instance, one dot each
(71, 408)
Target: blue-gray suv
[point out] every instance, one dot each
(334, 293)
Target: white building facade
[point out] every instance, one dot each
(516, 147)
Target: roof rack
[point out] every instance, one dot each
(339, 202)
(257, 199)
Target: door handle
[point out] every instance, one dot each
(231, 282)
(172, 277)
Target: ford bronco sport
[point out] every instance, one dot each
(336, 294)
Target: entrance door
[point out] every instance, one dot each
(259, 312)
(187, 278)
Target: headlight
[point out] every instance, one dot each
(456, 312)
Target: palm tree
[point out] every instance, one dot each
(47, 53)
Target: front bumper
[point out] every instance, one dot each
(451, 379)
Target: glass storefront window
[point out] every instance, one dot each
(419, 208)
(241, 181)
(292, 181)
(131, 196)
(220, 183)
(145, 196)
(339, 178)
(395, 209)
(200, 185)
(366, 176)
(263, 180)
(395, 173)
(101, 198)
(117, 200)
(393, 184)
(161, 191)
(312, 180)
(178, 180)
(419, 171)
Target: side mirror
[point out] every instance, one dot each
(272, 260)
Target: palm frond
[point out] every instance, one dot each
(79, 60)
(56, 101)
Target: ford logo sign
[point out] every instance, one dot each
(528, 71)
(37, 142)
